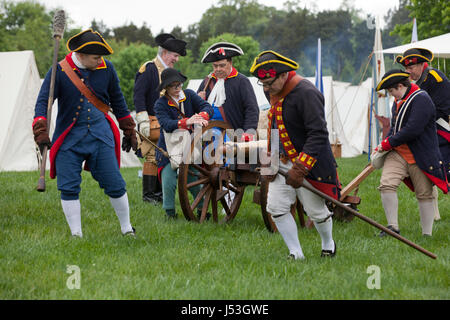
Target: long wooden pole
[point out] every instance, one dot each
(59, 22)
(366, 219)
(41, 182)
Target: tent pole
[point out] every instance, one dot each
(370, 126)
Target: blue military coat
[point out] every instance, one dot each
(76, 115)
(418, 131)
(436, 84)
(168, 117)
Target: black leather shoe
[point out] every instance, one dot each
(383, 234)
(329, 253)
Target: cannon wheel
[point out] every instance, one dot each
(296, 208)
(215, 183)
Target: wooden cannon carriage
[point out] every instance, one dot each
(227, 183)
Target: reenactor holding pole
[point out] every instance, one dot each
(87, 88)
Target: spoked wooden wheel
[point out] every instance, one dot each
(213, 182)
(267, 217)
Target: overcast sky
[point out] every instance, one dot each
(166, 14)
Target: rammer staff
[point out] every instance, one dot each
(59, 22)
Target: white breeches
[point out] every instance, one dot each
(281, 196)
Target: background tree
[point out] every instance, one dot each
(127, 62)
(102, 28)
(132, 34)
(293, 31)
(28, 26)
(432, 17)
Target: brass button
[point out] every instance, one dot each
(74, 119)
(88, 125)
(89, 110)
(77, 113)
(431, 167)
(81, 100)
(79, 107)
(440, 162)
(89, 118)
(319, 178)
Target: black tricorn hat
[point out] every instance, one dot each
(414, 56)
(221, 50)
(169, 42)
(89, 42)
(170, 75)
(392, 77)
(268, 64)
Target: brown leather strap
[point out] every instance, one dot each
(92, 98)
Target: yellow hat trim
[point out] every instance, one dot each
(390, 76)
(106, 45)
(418, 55)
(290, 62)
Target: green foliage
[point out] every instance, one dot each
(127, 62)
(432, 18)
(132, 34)
(28, 26)
(240, 17)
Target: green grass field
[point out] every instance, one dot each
(184, 260)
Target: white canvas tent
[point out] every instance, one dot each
(19, 87)
(440, 46)
(352, 103)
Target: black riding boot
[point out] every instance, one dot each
(151, 189)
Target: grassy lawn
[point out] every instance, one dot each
(183, 260)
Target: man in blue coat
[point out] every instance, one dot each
(436, 84)
(414, 155)
(83, 133)
(146, 93)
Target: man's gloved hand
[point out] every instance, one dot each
(41, 136)
(143, 122)
(129, 140)
(126, 144)
(296, 174)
